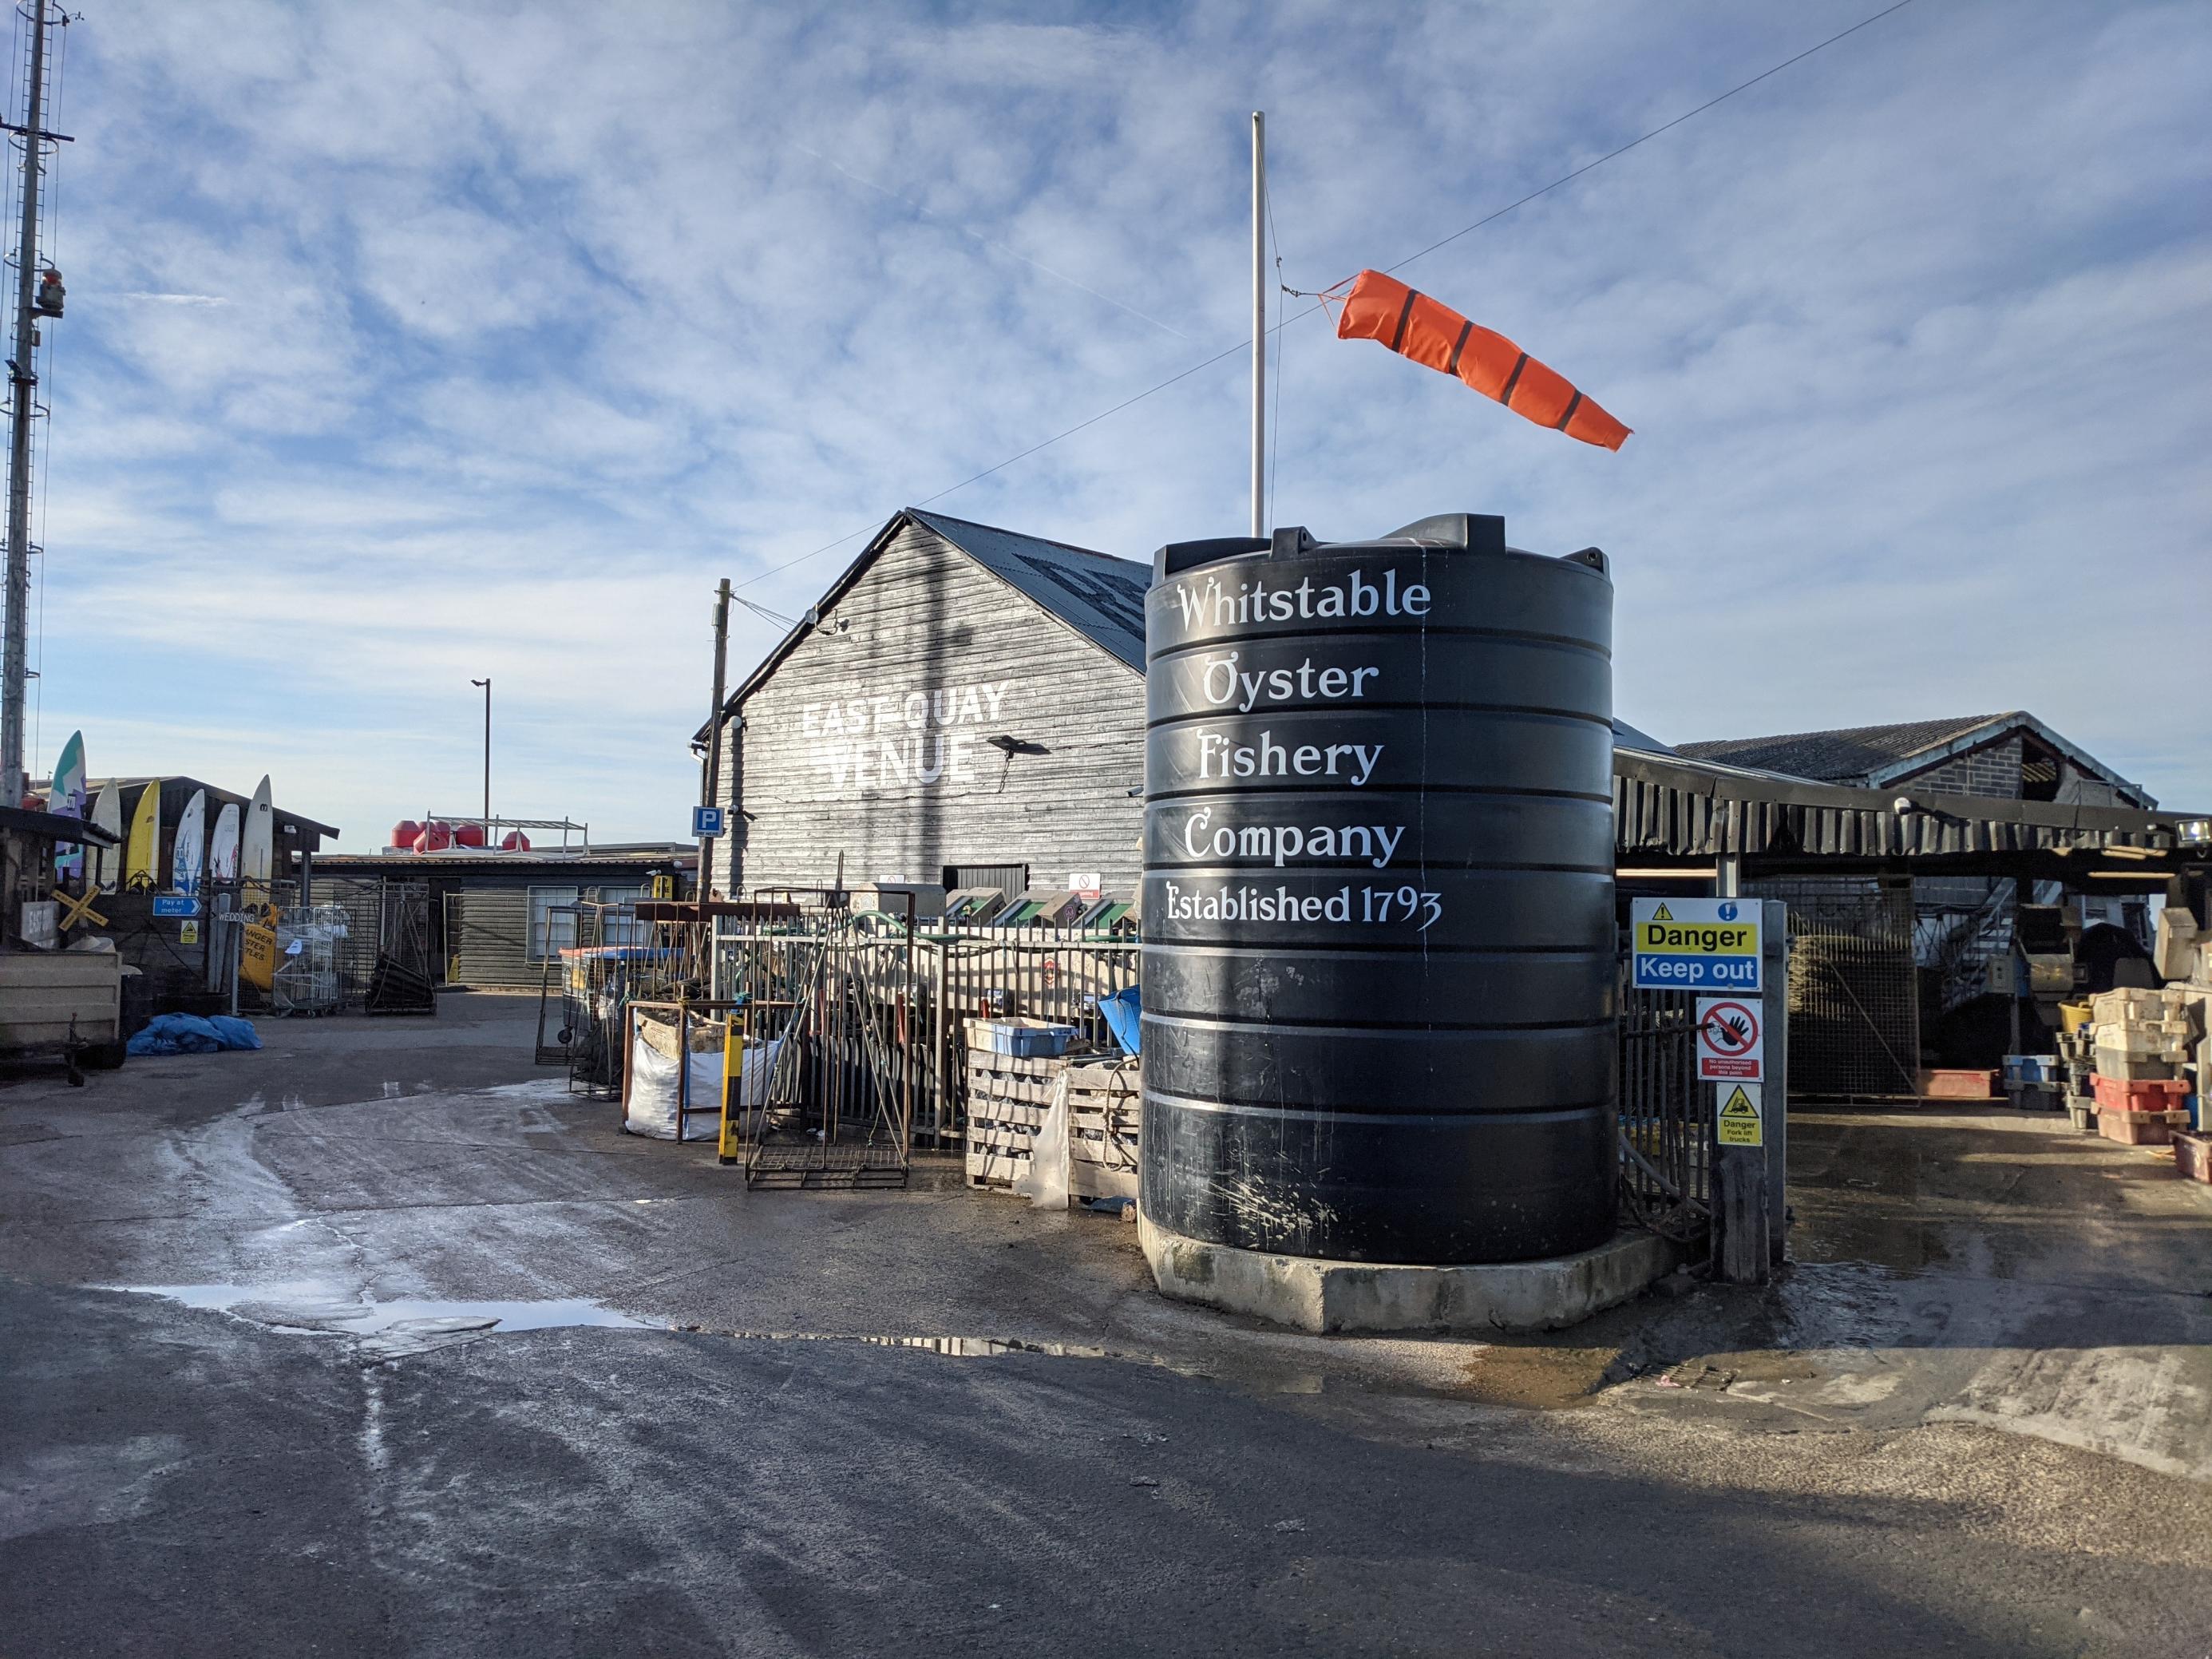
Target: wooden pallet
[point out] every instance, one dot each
(1008, 1099)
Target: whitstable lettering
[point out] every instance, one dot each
(1216, 605)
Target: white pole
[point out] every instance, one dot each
(1259, 324)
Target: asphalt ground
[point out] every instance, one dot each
(254, 1401)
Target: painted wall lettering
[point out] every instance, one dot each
(921, 736)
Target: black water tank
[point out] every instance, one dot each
(1379, 951)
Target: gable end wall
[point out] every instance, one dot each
(873, 743)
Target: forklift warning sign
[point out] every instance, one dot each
(1740, 1123)
(1695, 944)
(1730, 1047)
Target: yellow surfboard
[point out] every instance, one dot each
(142, 851)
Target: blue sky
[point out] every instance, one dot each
(409, 342)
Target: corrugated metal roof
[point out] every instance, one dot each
(1099, 595)
(1847, 754)
(1679, 806)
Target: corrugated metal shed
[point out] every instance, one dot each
(1674, 806)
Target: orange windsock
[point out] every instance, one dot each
(1413, 326)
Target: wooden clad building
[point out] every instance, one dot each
(965, 706)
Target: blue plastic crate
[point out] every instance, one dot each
(1041, 1040)
(2030, 1068)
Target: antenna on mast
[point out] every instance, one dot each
(37, 293)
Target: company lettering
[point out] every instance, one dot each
(1286, 843)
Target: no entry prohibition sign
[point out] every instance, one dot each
(1730, 1045)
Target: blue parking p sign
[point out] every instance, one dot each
(707, 820)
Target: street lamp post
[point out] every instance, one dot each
(486, 683)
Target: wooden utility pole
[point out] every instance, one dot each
(711, 781)
(486, 683)
(15, 653)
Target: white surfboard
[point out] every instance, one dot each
(222, 846)
(257, 845)
(108, 814)
(188, 852)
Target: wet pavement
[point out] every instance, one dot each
(378, 1342)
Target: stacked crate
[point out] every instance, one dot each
(1104, 1118)
(1009, 1097)
(2143, 1041)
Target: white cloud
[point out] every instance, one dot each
(413, 340)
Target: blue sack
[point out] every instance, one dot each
(188, 1034)
(1121, 1011)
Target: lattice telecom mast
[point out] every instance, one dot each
(37, 293)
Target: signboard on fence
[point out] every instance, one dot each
(1695, 944)
(1740, 1122)
(1731, 1041)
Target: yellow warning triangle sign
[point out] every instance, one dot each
(1663, 914)
(1738, 1104)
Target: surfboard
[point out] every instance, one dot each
(188, 854)
(222, 846)
(65, 798)
(108, 814)
(257, 845)
(142, 851)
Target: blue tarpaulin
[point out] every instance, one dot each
(1121, 1010)
(189, 1034)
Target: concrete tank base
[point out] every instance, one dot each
(1324, 1297)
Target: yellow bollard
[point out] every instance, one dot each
(733, 1071)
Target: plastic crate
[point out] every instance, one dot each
(2030, 1068)
(1024, 1039)
(2138, 1095)
(2192, 1155)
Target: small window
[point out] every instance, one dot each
(621, 927)
(1008, 878)
(552, 921)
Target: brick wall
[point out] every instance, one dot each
(1993, 771)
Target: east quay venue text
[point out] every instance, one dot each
(923, 735)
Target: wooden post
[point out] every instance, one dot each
(1739, 1197)
(1774, 1016)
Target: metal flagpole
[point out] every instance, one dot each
(1258, 322)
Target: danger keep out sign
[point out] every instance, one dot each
(1695, 944)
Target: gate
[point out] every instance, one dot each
(1854, 987)
(1666, 1135)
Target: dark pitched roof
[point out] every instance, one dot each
(1846, 754)
(1101, 597)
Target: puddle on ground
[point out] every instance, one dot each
(402, 1325)
(969, 1347)
(1537, 1379)
(960, 1347)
